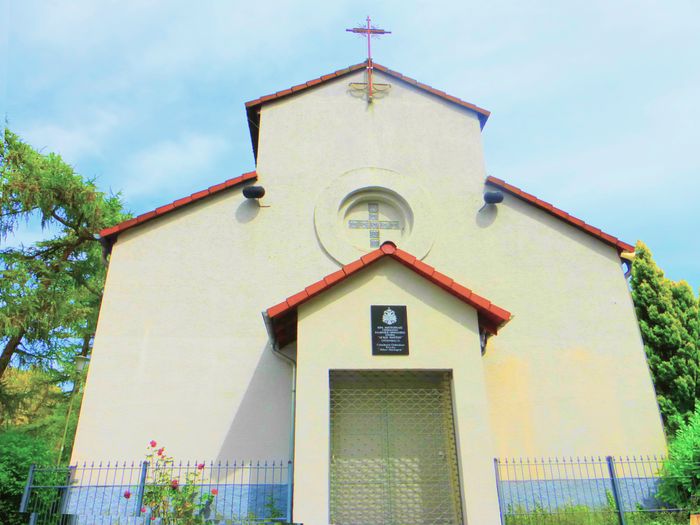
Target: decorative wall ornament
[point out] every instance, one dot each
(365, 207)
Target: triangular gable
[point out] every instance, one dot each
(253, 106)
(619, 245)
(282, 318)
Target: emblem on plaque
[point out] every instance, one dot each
(389, 317)
(389, 329)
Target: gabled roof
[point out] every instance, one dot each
(619, 245)
(253, 106)
(283, 316)
(111, 233)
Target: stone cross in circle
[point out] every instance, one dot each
(374, 224)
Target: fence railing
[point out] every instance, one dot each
(531, 491)
(160, 493)
(590, 490)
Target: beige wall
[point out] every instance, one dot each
(567, 376)
(180, 336)
(334, 334)
(180, 353)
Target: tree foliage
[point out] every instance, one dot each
(50, 291)
(19, 451)
(680, 481)
(27, 396)
(668, 319)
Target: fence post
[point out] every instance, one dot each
(616, 490)
(142, 488)
(290, 485)
(496, 466)
(65, 491)
(27, 490)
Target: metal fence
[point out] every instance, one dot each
(587, 491)
(159, 493)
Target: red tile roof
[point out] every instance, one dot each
(253, 106)
(621, 246)
(283, 316)
(111, 233)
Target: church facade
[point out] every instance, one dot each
(370, 318)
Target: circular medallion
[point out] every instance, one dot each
(365, 207)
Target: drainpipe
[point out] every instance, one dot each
(292, 362)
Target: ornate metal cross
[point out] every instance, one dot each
(374, 224)
(370, 32)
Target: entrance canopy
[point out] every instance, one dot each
(282, 318)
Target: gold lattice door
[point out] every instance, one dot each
(393, 453)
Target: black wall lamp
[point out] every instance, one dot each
(492, 198)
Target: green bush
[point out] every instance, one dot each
(680, 477)
(19, 451)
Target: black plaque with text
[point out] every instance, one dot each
(389, 330)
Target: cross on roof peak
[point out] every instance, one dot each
(369, 31)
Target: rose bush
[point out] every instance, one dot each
(171, 500)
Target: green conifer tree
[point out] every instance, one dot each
(668, 319)
(50, 291)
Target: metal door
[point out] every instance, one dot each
(393, 453)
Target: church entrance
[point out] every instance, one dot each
(393, 452)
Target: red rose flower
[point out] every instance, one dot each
(160, 451)
(127, 494)
(200, 466)
(214, 491)
(143, 510)
(175, 484)
(153, 444)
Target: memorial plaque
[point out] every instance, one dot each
(389, 330)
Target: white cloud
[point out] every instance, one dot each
(171, 164)
(85, 135)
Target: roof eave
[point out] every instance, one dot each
(111, 233)
(577, 223)
(282, 317)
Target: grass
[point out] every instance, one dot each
(582, 515)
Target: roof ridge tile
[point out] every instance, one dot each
(297, 298)
(354, 266)
(423, 268)
(316, 288)
(371, 256)
(334, 277)
(462, 291)
(404, 256)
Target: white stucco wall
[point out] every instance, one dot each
(180, 353)
(334, 334)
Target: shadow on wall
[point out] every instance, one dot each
(486, 216)
(260, 428)
(247, 210)
(415, 285)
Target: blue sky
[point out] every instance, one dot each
(595, 104)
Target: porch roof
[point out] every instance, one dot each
(283, 316)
